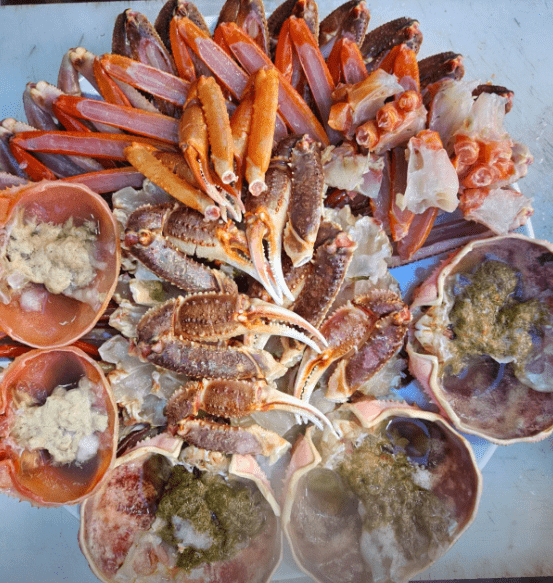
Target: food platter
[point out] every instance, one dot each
(114, 9)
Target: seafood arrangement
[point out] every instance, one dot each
(213, 214)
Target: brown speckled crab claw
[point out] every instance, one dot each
(156, 519)
(58, 427)
(59, 262)
(384, 501)
(482, 337)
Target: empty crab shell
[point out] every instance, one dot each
(481, 342)
(58, 427)
(55, 291)
(383, 502)
(156, 520)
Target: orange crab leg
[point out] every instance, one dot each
(95, 144)
(345, 62)
(142, 157)
(194, 143)
(296, 113)
(284, 54)
(400, 220)
(419, 229)
(154, 81)
(145, 123)
(183, 60)
(107, 86)
(110, 180)
(260, 141)
(215, 58)
(34, 168)
(240, 126)
(218, 128)
(316, 72)
(402, 62)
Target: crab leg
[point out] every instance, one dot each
(75, 62)
(315, 70)
(215, 58)
(380, 41)
(136, 121)
(145, 239)
(154, 81)
(345, 330)
(249, 15)
(234, 399)
(142, 157)
(183, 60)
(260, 140)
(136, 38)
(218, 128)
(349, 20)
(109, 180)
(345, 62)
(296, 113)
(265, 218)
(194, 143)
(306, 201)
(231, 439)
(157, 344)
(211, 317)
(97, 145)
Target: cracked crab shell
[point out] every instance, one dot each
(505, 396)
(346, 522)
(59, 320)
(121, 533)
(33, 474)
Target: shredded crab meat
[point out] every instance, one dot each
(66, 425)
(59, 257)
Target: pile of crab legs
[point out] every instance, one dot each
(199, 114)
(173, 89)
(233, 126)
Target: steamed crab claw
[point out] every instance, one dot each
(157, 342)
(204, 137)
(166, 238)
(234, 399)
(58, 427)
(210, 317)
(145, 522)
(365, 333)
(149, 161)
(288, 213)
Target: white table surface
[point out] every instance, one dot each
(508, 42)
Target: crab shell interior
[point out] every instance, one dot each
(37, 373)
(63, 319)
(328, 545)
(487, 399)
(115, 539)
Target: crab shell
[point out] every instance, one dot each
(331, 546)
(63, 319)
(36, 374)
(509, 411)
(115, 522)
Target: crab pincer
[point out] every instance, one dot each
(210, 317)
(288, 213)
(363, 334)
(233, 399)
